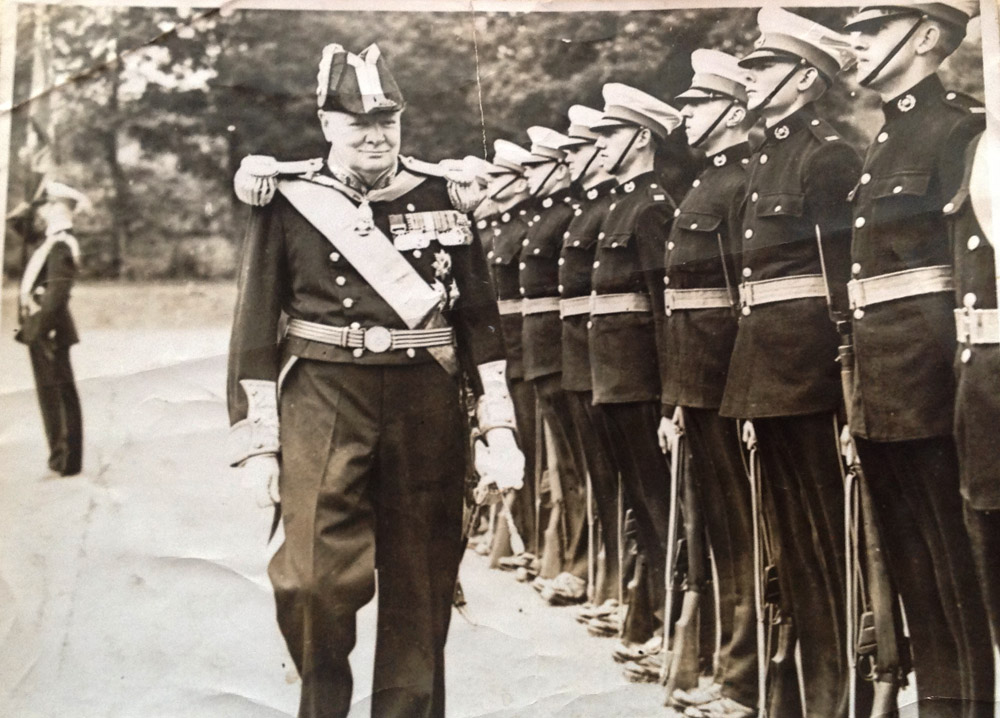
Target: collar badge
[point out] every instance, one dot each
(719, 160)
(547, 202)
(505, 217)
(592, 194)
(906, 103)
(782, 132)
(628, 187)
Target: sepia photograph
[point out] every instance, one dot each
(494, 358)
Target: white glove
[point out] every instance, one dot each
(847, 446)
(666, 432)
(499, 461)
(749, 435)
(261, 473)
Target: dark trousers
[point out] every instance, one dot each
(645, 478)
(372, 477)
(984, 532)
(595, 442)
(804, 496)
(60, 406)
(723, 497)
(555, 409)
(522, 394)
(915, 491)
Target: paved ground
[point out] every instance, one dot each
(139, 589)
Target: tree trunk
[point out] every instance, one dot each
(120, 204)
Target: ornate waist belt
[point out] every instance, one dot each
(373, 339)
(540, 305)
(977, 326)
(781, 289)
(899, 285)
(619, 303)
(705, 298)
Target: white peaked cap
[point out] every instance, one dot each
(625, 105)
(715, 73)
(784, 34)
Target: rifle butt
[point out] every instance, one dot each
(784, 699)
(681, 662)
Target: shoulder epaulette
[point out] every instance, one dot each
(823, 131)
(422, 167)
(963, 102)
(256, 179)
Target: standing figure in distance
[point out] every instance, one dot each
(355, 410)
(46, 326)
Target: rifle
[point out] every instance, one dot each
(552, 550)
(879, 634)
(681, 651)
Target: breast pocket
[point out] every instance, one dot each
(903, 196)
(695, 238)
(779, 205)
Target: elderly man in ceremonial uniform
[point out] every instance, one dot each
(357, 407)
(900, 296)
(783, 374)
(702, 258)
(977, 404)
(626, 311)
(548, 218)
(503, 234)
(594, 189)
(46, 326)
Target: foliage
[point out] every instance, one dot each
(155, 107)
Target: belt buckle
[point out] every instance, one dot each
(377, 339)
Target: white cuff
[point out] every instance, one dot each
(258, 432)
(495, 409)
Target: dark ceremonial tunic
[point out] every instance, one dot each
(502, 237)
(904, 385)
(49, 332)
(904, 388)
(784, 375)
(703, 252)
(373, 451)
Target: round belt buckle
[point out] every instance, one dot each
(377, 339)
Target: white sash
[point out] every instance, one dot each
(372, 254)
(35, 264)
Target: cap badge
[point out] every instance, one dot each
(547, 202)
(592, 194)
(906, 103)
(719, 160)
(782, 132)
(628, 186)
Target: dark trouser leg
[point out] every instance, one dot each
(523, 395)
(555, 409)
(724, 495)
(369, 450)
(421, 464)
(593, 437)
(914, 486)
(984, 533)
(645, 476)
(60, 406)
(800, 462)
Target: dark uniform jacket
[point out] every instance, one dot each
(977, 403)
(539, 277)
(904, 386)
(576, 259)
(784, 361)
(703, 251)
(502, 237)
(51, 289)
(289, 267)
(624, 359)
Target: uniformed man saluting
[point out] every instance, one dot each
(783, 373)
(46, 326)
(901, 301)
(384, 284)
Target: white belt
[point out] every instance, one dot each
(373, 339)
(977, 326)
(539, 305)
(619, 303)
(574, 306)
(509, 306)
(705, 298)
(781, 289)
(899, 285)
